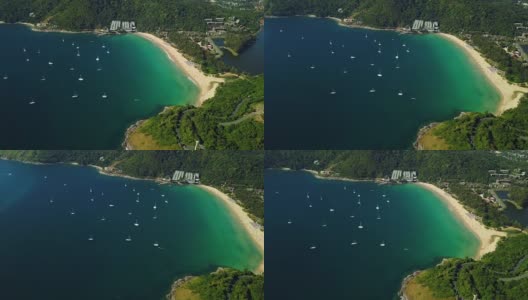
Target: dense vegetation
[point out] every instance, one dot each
(499, 275)
(453, 167)
(223, 122)
(152, 15)
(519, 195)
(238, 42)
(240, 170)
(484, 131)
(228, 284)
(495, 17)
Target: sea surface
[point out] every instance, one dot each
(323, 90)
(38, 110)
(49, 213)
(309, 251)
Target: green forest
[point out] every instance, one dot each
(240, 170)
(495, 17)
(498, 275)
(484, 131)
(453, 167)
(227, 121)
(229, 285)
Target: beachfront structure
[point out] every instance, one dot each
(186, 177)
(427, 26)
(404, 176)
(122, 26)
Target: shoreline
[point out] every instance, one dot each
(252, 229)
(510, 93)
(488, 238)
(207, 85)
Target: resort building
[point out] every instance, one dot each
(403, 176)
(186, 177)
(425, 26)
(122, 26)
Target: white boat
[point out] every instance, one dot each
(38, 52)
(75, 96)
(128, 239)
(372, 65)
(310, 206)
(353, 243)
(312, 67)
(110, 205)
(307, 195)
(397, 56)
(331, 210)
(352, 57)
(72, 69)
(103, 46)
(43, 78)
(72, 212)
(97, 59)
(372, 91)
(90, 238)
(136, 224)
(5, 77)
(155, 217)
(333, 92)
(32, 102)
(382, 244)
(324, 225)
(24, 49)
(103, 219)
(289, 222)
(379, 50)
(408, 51)
(155, 207)
(107, 51)
(378, 217)
(400, 93)
(78, 54)
(404, 45)
(352, 217)
(81, 78)
(289, 55)
(50, 63)
(359, 202)
(104, 96)
(313, 247)
(360, 225)
(380, 75)
(27, 59)
(377, 207)
(156, 244)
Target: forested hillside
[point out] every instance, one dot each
(150, 15)
(496, 17)
(499, 275)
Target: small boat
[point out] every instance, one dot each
(359, 202)
(51, 201)
(107, 51)
(155, 207)
(333, 92)
(32, 102)
(352, 217)
(312, 67)
(81, 78)
(400, 93)
(110, 205)
(379, 51)
(366, 35)
(155, 244)
(50, 63)
(103, 46)
(155, 217)
(397, 56)
(310, 206)
(90, 238)
(128, 239)
(377, 207)
(97, 59)
(38, 52)
(5, 77)
(307, 195)
(103, 219)
(404, 45)
(136, 224)
(92, 199)
(324, 225)
(78, 53)
(352, 57)
(353, 243)
(372, 91)
(345, 72)
(408, 51)
(43, 78)
(72, 69)
(289, 222)
(27, 59)
(330, 43)
(331, 210)
(382, 244)
(383, 195)
(75, 96)
(104, 96)
(378, 217)
(24, 49)
(332, 52)
(372, 65)
(289, 55)
(72, 212)
(360, 225)
(380, 75)
(313, 247)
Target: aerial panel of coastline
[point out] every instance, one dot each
(96, 82)
(396, 224)
(351, 76)
(131, 224)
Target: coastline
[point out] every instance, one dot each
(253, 229)
(488, 237)
(207, 85)
(510, 93)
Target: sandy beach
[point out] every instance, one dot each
(254, 231)
(206, 84)
(510, 93)
(488, 237)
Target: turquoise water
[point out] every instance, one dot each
(417, 228)
(137, 78)
(308, 59)
(46, 252)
